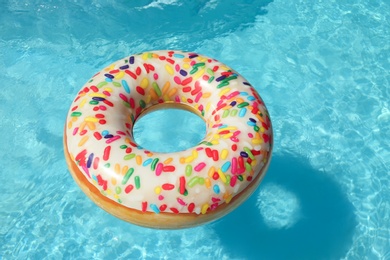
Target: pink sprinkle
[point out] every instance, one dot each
(159, 169)
(198, 97)
(250, 135)
(120, 133)
(234, 139)
(155, 76)
(235, 93)
(75, 130)
(236, 133)
(112, 139)
(234, 165)
(177, 67)
(177, 80)
(181, 202)
(233, 181)
(103, 107)
(160, 197)
(177, 99)
(199, 167)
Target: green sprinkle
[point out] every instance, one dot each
(188, 170)
(129, 156)
(107, 165)
(211, 79)
(225, 113)
(230, 78)
(137, 182)
(243, 104)
(248, 167)
(101, 84)
(118, 190)
(126, 104)
(256, 128)
(154, 163)
(201, 181)
(210, 72)
(240, 177)
(117, 84)
(223, 84)
(75, 114)
(248, 151)
(93, 102)
(127, 175)
(233, 112)
(142, 103)
(193, 181)
(194, 70)
(123, 146)
(156, 88)
(200, 64)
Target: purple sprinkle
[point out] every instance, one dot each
(109, 76)
(253, 120)
(244, 154)
(191, 56)
(107, 136)
(246, 83)
(124, 67)
(98, 98)
(183, 72)
(131, 61)
(221, 78)
(90, 159)
(233, 103)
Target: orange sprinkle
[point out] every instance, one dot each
(83, 140)
(138, 159)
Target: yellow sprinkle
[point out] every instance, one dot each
(109, 192)
(70, 125)
(216, 136)
(204, 208)
(226, 107)
(253, 163)
(207, 183)
(169, 69)
(262, 129)
(111, 67)
(91, 119)
(228, 197)
(97, 95)
(147, 99)
(227, 128)
(195, 154)
(214, 142)
(166, 98)
(184, 99)
(224, 153)
(83, 140)
(91, 125)
(222, 176)
(226, 136)
(157, 190)
(113, 181)
(211, 171)
(108, 89)
(186, 66)
(172, 92)
(138, 159)
(116, 196)
(124, 169)
(224, 67)
(224, 91)
(189, 159)
(144, 83)
(145, 56)
(208, 106)
(120, 74)
(165, 88)
(168, 161)
(198, 74)
(83, 102)
(206, 95)
(182, 160)
(257, 141)
(117, 168)
(74, 119)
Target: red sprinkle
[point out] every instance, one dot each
(191, 207)
(169, 168)
(95, 163)
(144, 206)
(108, 103)
(174, 210)
(129, 188)
(182, 184)
(140, 90)
(106, 154)
(163, 207)
(168, 186)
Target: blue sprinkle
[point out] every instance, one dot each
(108, 80)
(216, 189)
(244, 154)
(131, 60)
(147, 162)
(225, 167)
(98, 98)
(223, 126)
(104, 133)
(90, 159)
(178, 55)
(251, 98)
(251, 123)
(124, 67)
(244, 93)
(125, 86)
(154, 208)
(221, 78)
(242, 112)
(183, 72)
(94, 178)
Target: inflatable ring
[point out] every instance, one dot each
(168, 190)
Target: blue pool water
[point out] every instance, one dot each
(322, 68)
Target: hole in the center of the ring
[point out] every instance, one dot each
(169, 130)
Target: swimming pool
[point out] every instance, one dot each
(322, 68)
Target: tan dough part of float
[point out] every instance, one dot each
(181, 189)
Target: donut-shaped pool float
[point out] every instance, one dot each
(168, 190)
